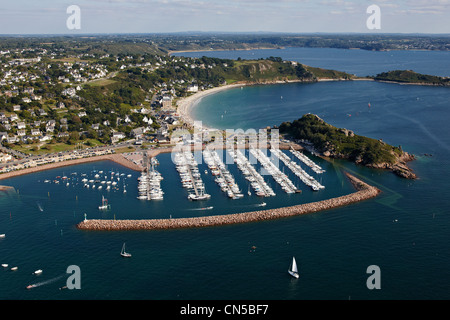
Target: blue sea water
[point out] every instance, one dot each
(404, 231)
(359, 62)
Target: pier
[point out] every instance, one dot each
(190, 175)
(285, 183)
(223, 178)
(364, 192)
(257, 182)
(314, 166)
(298, 170)
(149, 186)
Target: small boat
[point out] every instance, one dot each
(4, 265)
(39, 271)
(262, 204)
(2, 235)
(293, 271)
(105, 205)
(30, 286)
(123, 253)
(14, 268)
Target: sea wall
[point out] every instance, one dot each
(364, 191)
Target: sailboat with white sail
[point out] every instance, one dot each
(293, 270)
(123, 253)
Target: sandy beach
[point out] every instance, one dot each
(118, 158)
(185, 105)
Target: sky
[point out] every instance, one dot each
(166, 16)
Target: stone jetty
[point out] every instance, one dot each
(363, 192)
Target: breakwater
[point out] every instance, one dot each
(363, 191)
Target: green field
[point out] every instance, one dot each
(46, 148)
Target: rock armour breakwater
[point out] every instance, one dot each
(364, 191)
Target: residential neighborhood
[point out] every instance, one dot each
(49, 97)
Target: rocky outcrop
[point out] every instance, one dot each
(400, 167)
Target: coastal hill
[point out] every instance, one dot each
(411, 77)
(275, 69)
(342, 143)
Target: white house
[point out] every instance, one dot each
(69, 92)
(4, 157)
(21, 125)
(192, 88)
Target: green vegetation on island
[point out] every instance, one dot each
(342, 143)
(409, 76)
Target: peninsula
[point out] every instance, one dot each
(334, 142)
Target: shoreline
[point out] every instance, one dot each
(117, 158)
(185, 105)
(363, 191)
(235, 49)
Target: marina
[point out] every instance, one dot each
(186, 166)
(363, 191)
(298, 170)
(149, 185)
(223, 177)
(286, 184)
(257, 182)
(316, 168)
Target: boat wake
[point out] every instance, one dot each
(197, 209)
(42, 283)
(40, 207)
(423, 129)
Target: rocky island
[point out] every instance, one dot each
(341, 143)
(411, 77)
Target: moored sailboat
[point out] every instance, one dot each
(105, 205)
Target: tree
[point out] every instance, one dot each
(73, 137)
